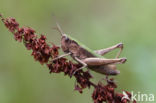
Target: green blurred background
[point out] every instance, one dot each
(96, 23)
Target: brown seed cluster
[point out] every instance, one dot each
(44, 53)
(107, 93)
(40, 49)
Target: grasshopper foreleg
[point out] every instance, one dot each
(106, 50)
(81, 62)
(60, 56)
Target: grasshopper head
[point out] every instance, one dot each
(65, 43)
(65, 40)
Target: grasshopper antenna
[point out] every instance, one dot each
(58, 28)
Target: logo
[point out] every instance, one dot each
(139, 97)
(125, 96)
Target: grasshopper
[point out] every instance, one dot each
(90, 59)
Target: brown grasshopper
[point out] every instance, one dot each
(89, 59)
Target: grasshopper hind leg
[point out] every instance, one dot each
(103, 61)
(106, 50)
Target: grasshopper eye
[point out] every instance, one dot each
(67, 39)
